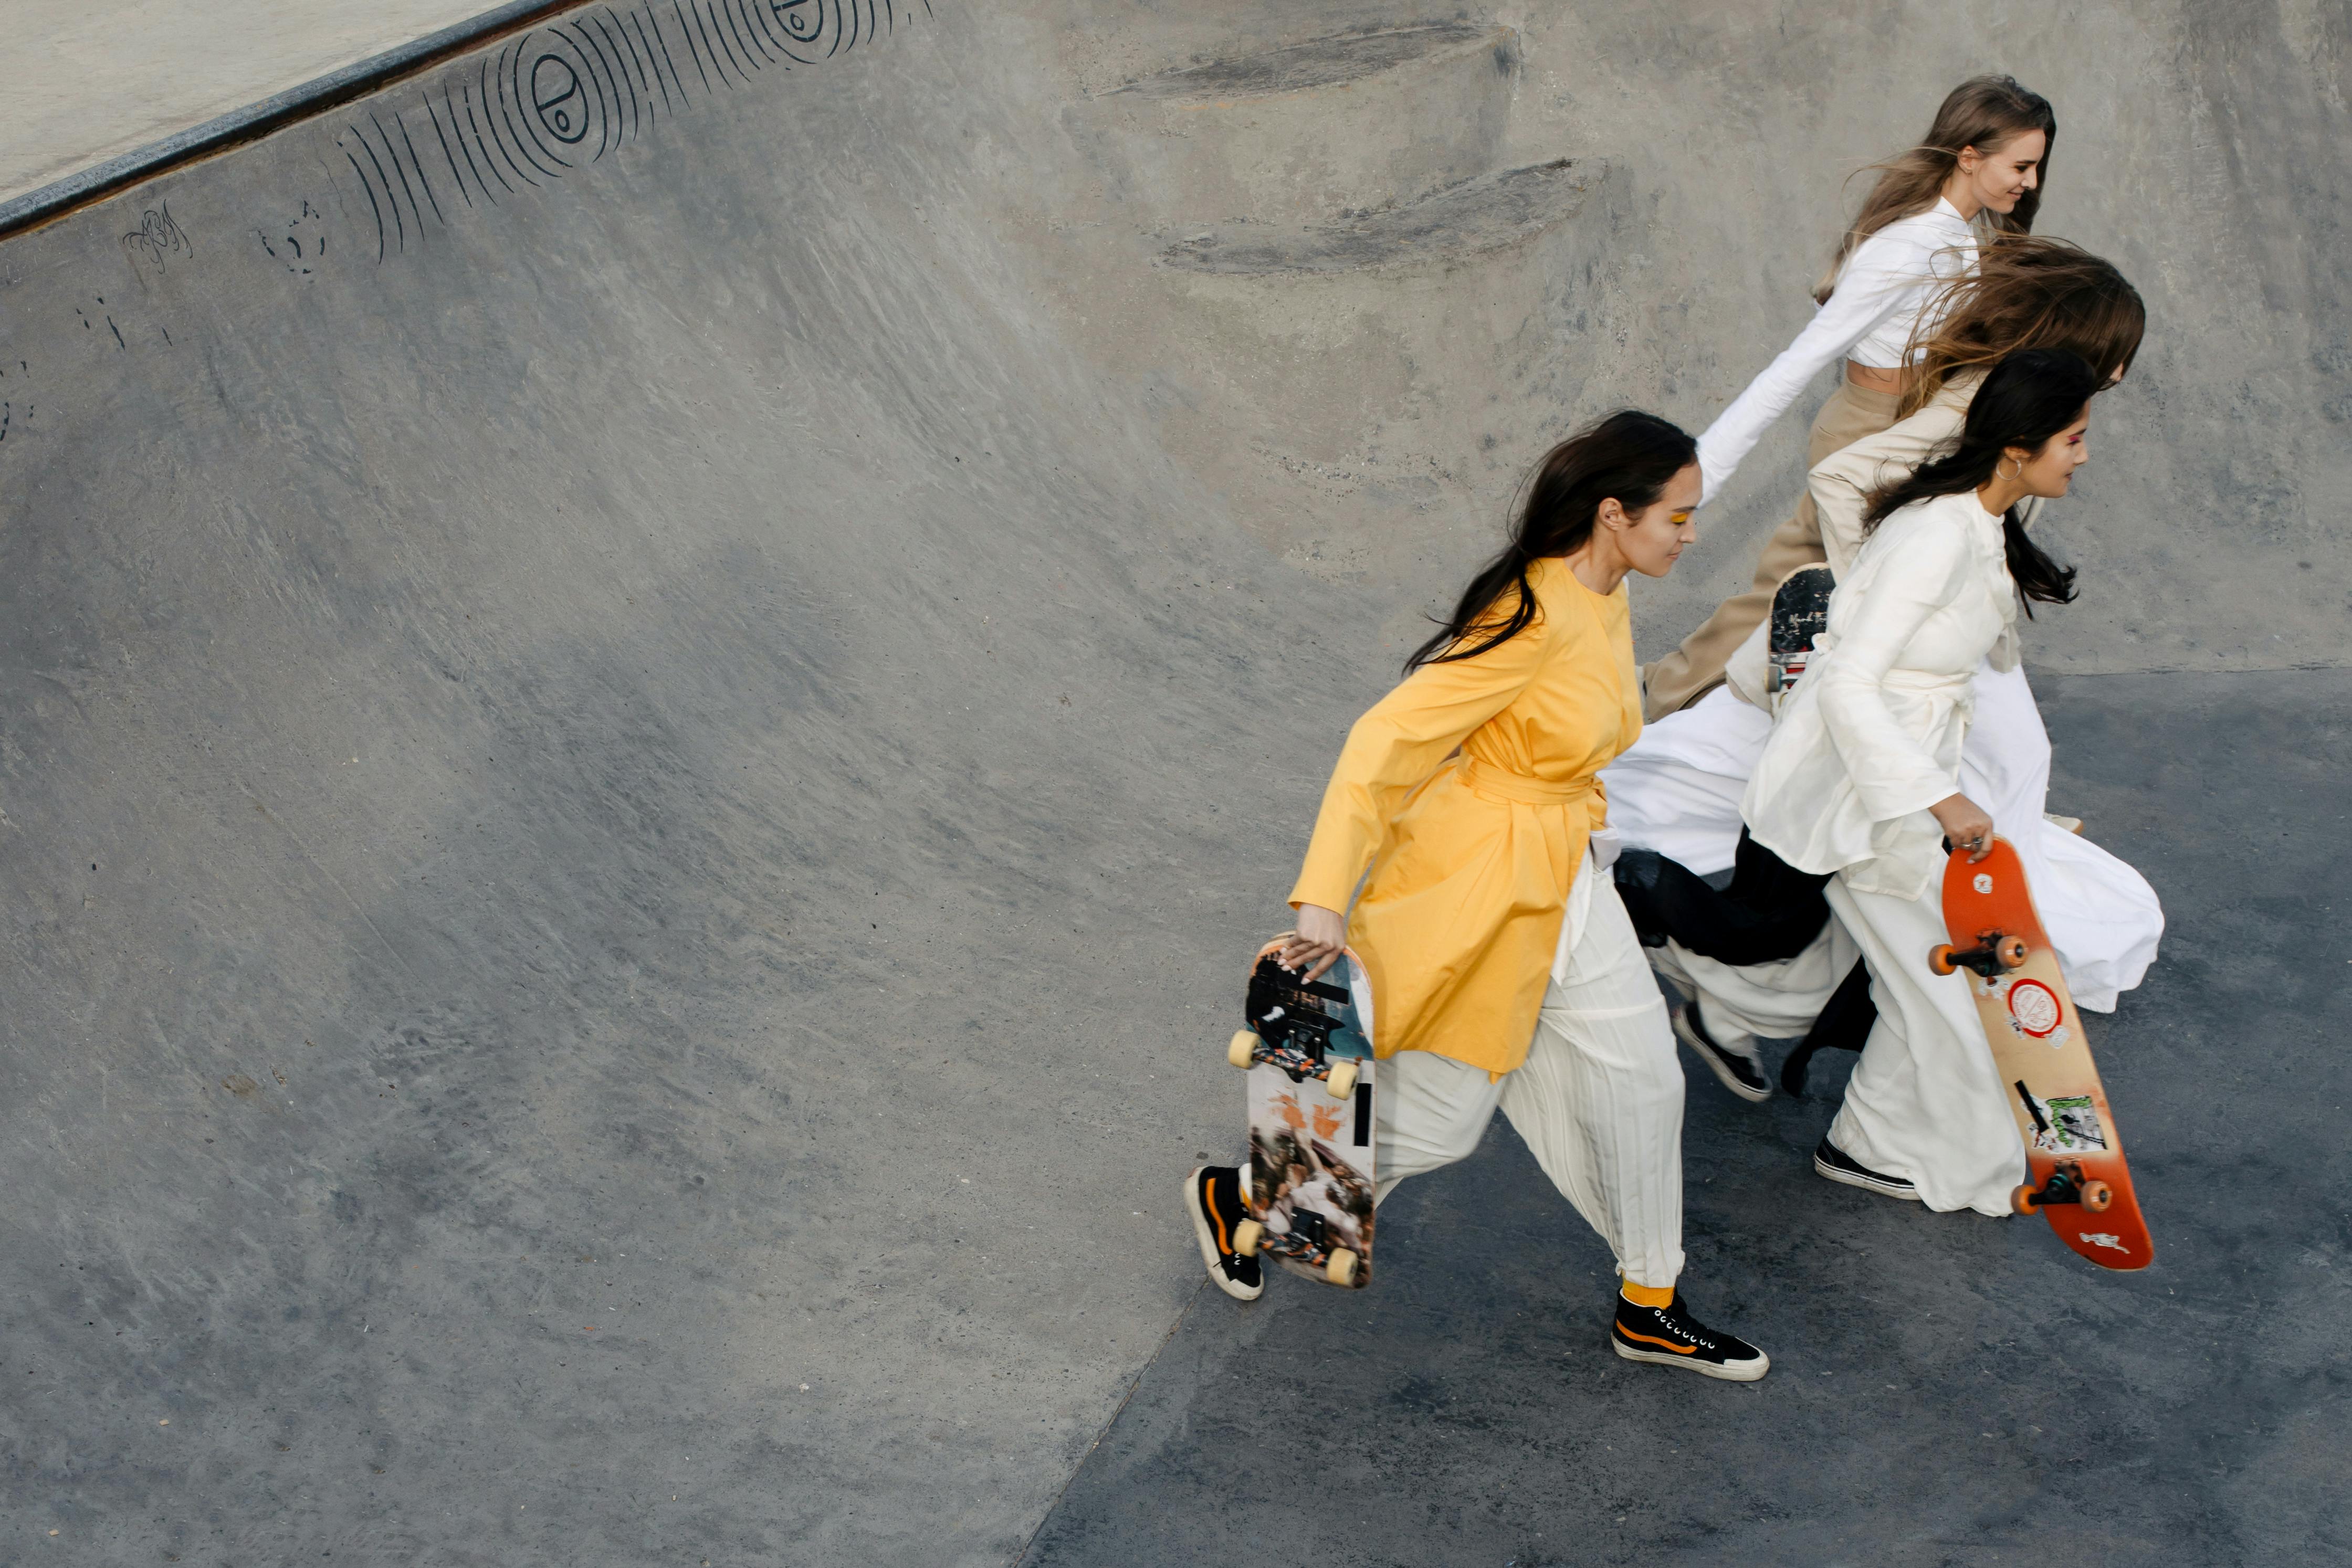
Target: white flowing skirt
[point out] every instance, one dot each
(1677, 792)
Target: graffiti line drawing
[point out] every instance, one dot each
(445, 153)
(157, 237)
(87, 325)
(291, 249)
(549, 101)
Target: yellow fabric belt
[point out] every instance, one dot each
(1502, 784)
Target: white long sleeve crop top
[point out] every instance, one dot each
(1881, 290)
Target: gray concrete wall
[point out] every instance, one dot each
(2196, 148)
(631, 792)
(621, 823)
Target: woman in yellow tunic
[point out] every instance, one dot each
(1503, 970)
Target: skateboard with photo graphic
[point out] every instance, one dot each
(1308, 1052)
(2076, 1178)
(1800, 612)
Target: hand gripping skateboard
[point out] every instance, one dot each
(1308, 1051)
(2073, 1152)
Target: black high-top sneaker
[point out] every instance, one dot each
(1670, 1337)
(1213, 1197)
(1743, 1076)
(1838, 1166)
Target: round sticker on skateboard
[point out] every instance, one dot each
(2034, 1006)
(1984, 882)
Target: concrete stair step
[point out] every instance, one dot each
(1352, 122)
(1473, 218)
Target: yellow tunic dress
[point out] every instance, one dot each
(1472, 855)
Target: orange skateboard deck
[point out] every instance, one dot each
(1308, 1051)
(2073, 1151)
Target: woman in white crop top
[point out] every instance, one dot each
(1860, 779)
(1979, 165)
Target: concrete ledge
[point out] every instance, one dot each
(103, 179)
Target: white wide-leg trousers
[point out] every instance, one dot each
(1677, 791)
(1924, 1102)
(1779, 1000)
(1599, 1099)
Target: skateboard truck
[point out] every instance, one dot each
(1307, 1240)
(2067, 1184)
(1290, 1031)
(1249, 1047)
(1991, 954)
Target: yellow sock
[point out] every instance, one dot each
(1647, 1295)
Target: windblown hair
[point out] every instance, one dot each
(2026, 399)
(1630, 456)
(2026, 293)
(1982, 112)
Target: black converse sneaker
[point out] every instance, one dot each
(1838, 1166)
(1670, 1337)
(1743, 1076)
(1213, 1197)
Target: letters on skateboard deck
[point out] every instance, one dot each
(2073, 1152)
(1308, 1049)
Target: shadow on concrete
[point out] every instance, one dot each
(1945, 1388)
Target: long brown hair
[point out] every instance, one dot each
(1982, 112)
(2026, 293)
(2025, 400)
(1630, 456)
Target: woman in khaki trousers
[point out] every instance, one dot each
(1980, 167)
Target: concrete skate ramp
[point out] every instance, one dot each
(652, 682)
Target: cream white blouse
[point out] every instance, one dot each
(1881, 290)
(1871, 735)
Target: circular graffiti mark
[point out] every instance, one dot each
(2034, 1006)
(804, 19)
(557, 95)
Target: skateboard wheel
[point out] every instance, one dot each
(2012, 952)
(1242, 1049)
(2026, 1200)
(2098, 1195)
(1340, 1269)
(1342, 1082)
(1939, 958)
(1246, 1237)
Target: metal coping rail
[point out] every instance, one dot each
(256, 120)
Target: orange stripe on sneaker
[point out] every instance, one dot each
(1662, 1343)
(1209, 1202)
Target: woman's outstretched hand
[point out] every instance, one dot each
(1965, 823)
(1322, 934)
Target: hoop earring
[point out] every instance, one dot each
(2021, 470)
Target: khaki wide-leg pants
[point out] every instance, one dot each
(1695, 668)
(1599, 1099)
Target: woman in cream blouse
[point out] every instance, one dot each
(1861, 777)
(1676, 792)
(1504, 974)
